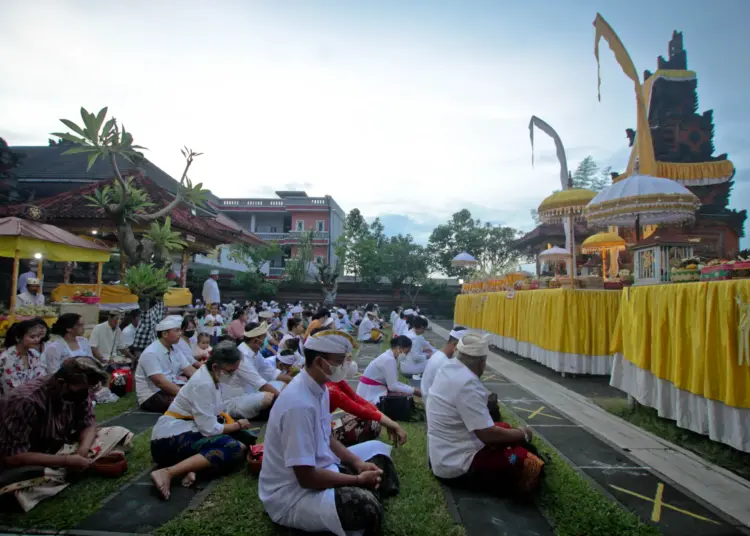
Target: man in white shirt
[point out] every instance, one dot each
(440, 358)
(211, 289)
(32, 295)
(465, 446)
(415, 361)
(247, 392)
(159, 366)
(366, 327)
(128, 334)
(106, 340)
(308, 480)
(24, 277)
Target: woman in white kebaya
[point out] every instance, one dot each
(380, 378)
(415, 361)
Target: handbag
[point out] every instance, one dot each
(398, 408)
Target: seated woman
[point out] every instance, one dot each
(363, 420)
(70, 342)
(310, 481)
(48, 432)
(416, 360)
(236, 328)
(367, 331)
(465, 446)
(45, 334)
(21, 362)
(194, 434)
(380, 378)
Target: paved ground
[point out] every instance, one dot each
(626, 479)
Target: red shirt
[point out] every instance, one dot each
(341, 396)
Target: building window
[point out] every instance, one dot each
(273, 229)
(299, 226)
(320, 226)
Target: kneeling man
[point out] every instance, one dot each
(309, 480)
(466, 447)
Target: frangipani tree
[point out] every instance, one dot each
(123, 202)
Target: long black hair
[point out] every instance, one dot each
(18, 330)
(64, 323)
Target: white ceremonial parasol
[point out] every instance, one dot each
(464, 260)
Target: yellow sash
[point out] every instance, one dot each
(227, 418)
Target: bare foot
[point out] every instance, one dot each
(188, 480)
(162, 480)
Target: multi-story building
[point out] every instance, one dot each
(284, 219)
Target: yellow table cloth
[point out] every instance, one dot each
(687, 334)
(175, 297)
(559, 320)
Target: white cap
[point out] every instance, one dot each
(296, 309)
(170, 322)
(214, 272)
(409, 312)
(474, 345)
(331, 342)
(265, 314)
(32, 281)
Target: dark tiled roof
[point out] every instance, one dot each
(70, 205)
(551, 233)
(48, 162)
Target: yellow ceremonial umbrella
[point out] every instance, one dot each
(601, 243)
(566, 205)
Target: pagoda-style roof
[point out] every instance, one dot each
(203, 227)
(667, 237)
(537, 240)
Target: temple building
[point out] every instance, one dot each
(684, 151)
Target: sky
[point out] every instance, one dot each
(407, 110)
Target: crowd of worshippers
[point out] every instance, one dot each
(210, 374)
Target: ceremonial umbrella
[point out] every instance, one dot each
(566, 205)
(464, 260)
(554, 254)
(601, 243)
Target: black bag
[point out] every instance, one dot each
(398, 408)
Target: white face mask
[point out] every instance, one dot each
(337, 374)
(351, 369)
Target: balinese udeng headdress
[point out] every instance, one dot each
(257, 332)
(474, 345)
(331, 342)
(458, 334)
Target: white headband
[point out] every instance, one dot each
(474, 345)
(330, 342)
(458, 334)
(287, 359)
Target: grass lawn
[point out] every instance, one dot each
(113, 409)
(712, 451)
(419, 509)
(81, 499)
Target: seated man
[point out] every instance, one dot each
(107, 341)
(465, 446)
(308, 480)
(416, 360)
(48, 431)
(440, 358)
(247, 392)
(159, 366)
(367, 331)
(32, 295)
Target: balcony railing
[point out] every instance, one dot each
(277, 203)
(290, 236)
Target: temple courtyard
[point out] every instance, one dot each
(603, 476)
